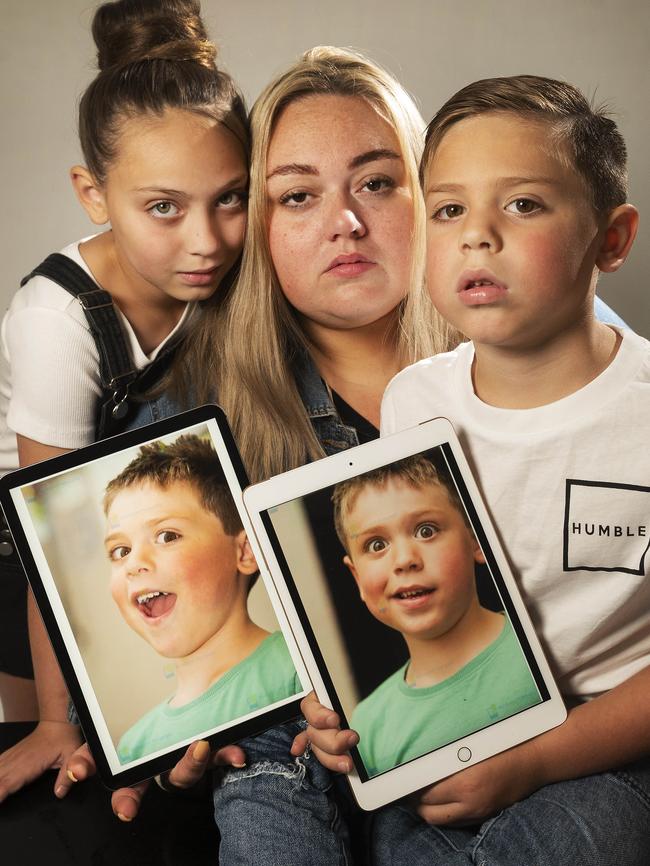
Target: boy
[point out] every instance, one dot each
(525, 189)
(412, 553)
(181, 570)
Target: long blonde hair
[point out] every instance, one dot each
(248, 347)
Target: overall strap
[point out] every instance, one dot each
(115, 365)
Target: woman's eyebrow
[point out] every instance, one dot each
(355, 162)
(373, 156)
(292, 168)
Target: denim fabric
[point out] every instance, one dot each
(155, 409)
(279, 810)
(605, 314)
(601, 820)
(333, 435)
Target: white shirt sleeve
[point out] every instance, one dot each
(55, 377)
(387, 424)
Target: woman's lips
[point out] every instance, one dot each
(351, 265)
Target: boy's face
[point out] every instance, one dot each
(176, 577)
(511, 235)
(412, 556)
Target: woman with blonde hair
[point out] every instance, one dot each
(329, 303)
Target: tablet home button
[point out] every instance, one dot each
(464, 754)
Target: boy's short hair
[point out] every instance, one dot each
(417, 471)
(190, 459)
(596, 147)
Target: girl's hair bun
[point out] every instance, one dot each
(130, 31)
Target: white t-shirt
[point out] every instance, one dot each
(568, 487)
(49, 366)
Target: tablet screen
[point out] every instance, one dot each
(149, 589)
(405, 608)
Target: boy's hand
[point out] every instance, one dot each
(125, 802)
(476, 793)
(329, 743)
(48, 747)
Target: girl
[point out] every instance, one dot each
(165, 141)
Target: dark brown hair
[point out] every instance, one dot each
(594, 144)
(189, 459)
(416, 471)
(152, 55)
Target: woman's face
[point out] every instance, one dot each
(341, 212)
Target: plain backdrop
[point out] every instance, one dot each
(434, 47)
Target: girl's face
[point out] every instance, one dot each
(341, 212)
(175, 196)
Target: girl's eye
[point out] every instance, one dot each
(426, 530)
(164, 209)
(379, 184)
(294, 199)
(119, 552)
(166, 536)
(376, 545)
(523, 206)
(232, 199)
(449, 212)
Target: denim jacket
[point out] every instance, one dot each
(333, 435)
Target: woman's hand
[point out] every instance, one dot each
(191, 768)
(329, 743)
(48, 747)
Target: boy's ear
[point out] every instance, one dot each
(479, 556)
(90, 194)
(622, 225)
(246, 562)
(347, 561)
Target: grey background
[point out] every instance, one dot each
(47, 58)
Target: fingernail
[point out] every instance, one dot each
(201, 751)
(343, 766)
(60, 791)
(239, 766)
(124, 818)
(71, 776)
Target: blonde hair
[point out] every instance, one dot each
(254, 340)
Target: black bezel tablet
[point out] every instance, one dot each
(54, 510)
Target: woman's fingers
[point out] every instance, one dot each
(126, 801)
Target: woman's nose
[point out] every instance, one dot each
(345, 219)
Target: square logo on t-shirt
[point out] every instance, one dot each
(606, 526)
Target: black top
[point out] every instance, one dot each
(351, 418)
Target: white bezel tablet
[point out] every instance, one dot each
(118, 654)
(351, 655)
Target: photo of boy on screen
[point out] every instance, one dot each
(412, 553)
(181, 570)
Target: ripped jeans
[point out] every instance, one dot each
(279, 810)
